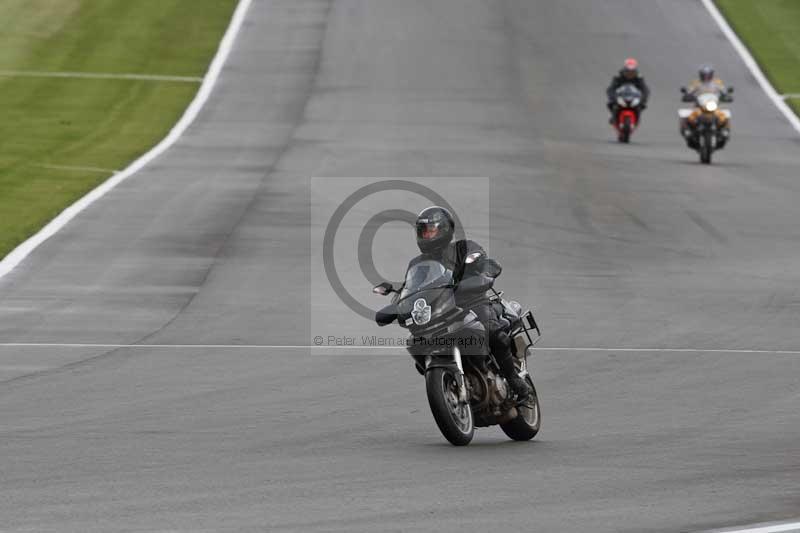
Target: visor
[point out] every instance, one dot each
(427, 231)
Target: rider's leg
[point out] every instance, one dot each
(724, 131)
(500, 345)
(502, 352)
(612, 108)
(689, 130)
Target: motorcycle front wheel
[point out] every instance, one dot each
(527, 423)
(705, 149)
(453, 416)
(625, 131)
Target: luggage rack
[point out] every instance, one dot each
(527, 323)
(527, 326)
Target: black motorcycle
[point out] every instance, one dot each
(450, 348)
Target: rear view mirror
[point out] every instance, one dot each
(383, 289)
(730, 89)
(474, 256)
(683, 90)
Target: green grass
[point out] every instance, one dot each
(771, 30)
(87, 122)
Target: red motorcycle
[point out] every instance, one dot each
(629, 98)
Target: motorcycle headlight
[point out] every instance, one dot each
(635, 102)
(711, 106)
(621, 101)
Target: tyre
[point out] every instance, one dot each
(705, 150)
(527, 423)
(625, 131)
(453, 417)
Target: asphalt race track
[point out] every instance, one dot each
(617, 246)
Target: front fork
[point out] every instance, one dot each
(460, 380)
(444, 360)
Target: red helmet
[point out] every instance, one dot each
(630, 69)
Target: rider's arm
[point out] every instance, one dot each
(469, 254)
(610, 92)
(691, 91)
(480, 262)
(724, 95)
(645, 91)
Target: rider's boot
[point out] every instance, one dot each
(692, 141)
(518, 385)
(689, 137)
(722, 138)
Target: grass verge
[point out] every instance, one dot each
(771, 30)
(61, 137)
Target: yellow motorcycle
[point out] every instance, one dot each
(706, 127)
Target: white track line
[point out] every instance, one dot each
(97, 76)
(373, 348)
(751, 64)
(763, 528)
(80, 169)
(790, 95)
(23, 250)
(670, 350)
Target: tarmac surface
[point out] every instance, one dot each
(654, 278)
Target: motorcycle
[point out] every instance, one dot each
(707, 133)
(628, 98)
(449, 347)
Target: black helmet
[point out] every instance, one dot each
(435, 229)
(706, 73)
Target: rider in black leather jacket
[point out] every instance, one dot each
(435, 228)
(629, 73)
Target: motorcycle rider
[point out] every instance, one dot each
(434, 230)
(706, 82)
(629, 73)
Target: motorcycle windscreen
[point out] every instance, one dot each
(427, 274)
(708, 102)
(426, 308)
(629, 95)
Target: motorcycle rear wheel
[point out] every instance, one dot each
(527, 423)
(453, 417)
